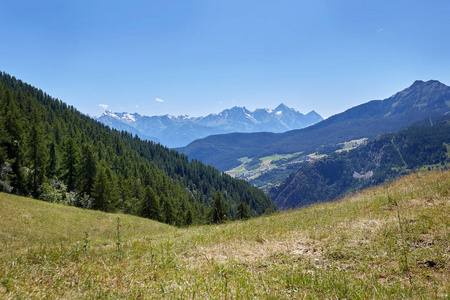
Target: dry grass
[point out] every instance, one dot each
(387, 242)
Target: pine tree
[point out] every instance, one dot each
(37, 154)
(150, 205)
(88, 170)
(15, 146)
(188, 218)
(242, 212)
(104, 192)
(169, 213)
(52, 166)
(70, 163)
(218, 213)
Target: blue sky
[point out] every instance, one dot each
(199, 57)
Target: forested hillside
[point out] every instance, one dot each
(52, 152)
(385, 158)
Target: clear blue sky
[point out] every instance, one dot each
(197, 57)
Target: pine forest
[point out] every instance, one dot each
(52, 152)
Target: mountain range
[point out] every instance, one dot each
(423, 99)
(178, 131)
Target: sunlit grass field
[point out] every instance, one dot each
(391, 241)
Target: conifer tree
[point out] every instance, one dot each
(3, 155)
(218, 213)
(88, 170)
(150, 205)
(70, 163)
(103, 191)
(37, 154)
(188, 218)
(52, 166)
(242, 212)
(169, 213)
(14, 143)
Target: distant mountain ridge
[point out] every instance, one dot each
(387, 157)
(178, 131)
(419, 101)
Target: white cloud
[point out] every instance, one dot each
(103, 106)
(159, 100)
(380, 30)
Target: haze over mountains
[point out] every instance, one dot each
(178, 131)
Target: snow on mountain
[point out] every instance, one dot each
(178, 131)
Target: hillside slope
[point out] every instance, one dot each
(420, 100)
(384, 158)
(51, 151)
(391, 242)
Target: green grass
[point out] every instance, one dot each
(346, 146)
(387, 242)
(265, 163)
(277, 157)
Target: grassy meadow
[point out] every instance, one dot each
(391, 241)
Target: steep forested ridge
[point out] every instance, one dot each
(51, 151)
(385, 158)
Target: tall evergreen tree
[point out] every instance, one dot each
(70, 163)
(188, 218)
(169, 213)
(37, 154)
(218, 213)
(88, 170)
(103, 189)
(242, 212)
(52, 165)
(150, 207)
(14, 144)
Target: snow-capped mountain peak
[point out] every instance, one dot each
(110, 113)
(178, 131)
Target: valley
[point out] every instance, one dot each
(419, 104)
(380, 160)
(274, 165)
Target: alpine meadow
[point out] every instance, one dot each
(389, 242)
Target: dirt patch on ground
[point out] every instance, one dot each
(260, 249)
